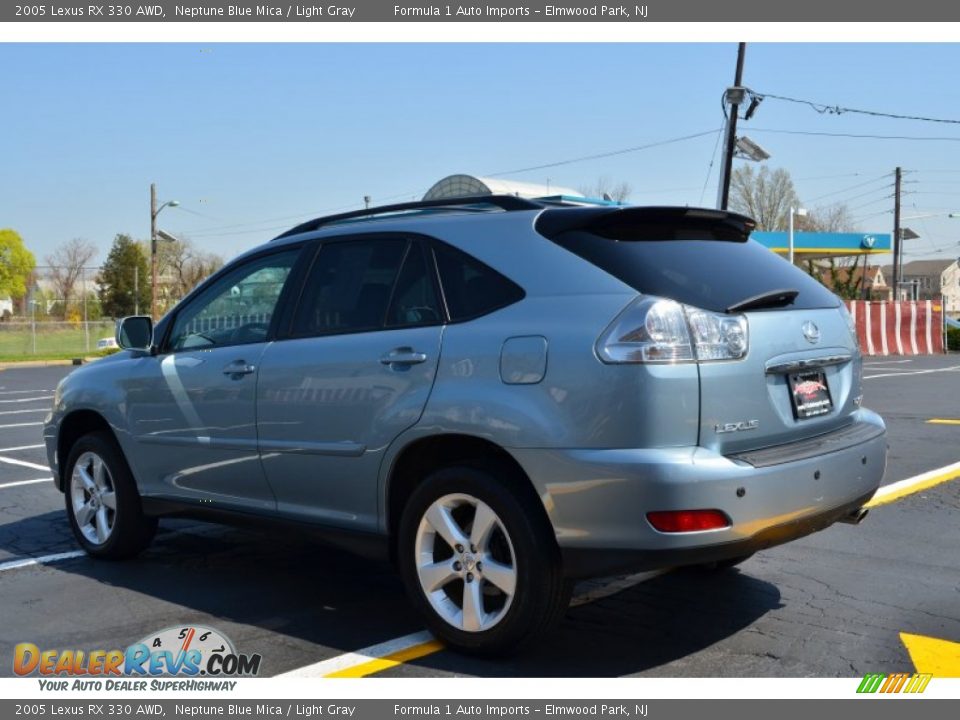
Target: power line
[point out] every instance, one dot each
(872, 202)
(214, 231)
(713, 159)
(854, 187)
(839, 110)
(858, 135)
(599, 156)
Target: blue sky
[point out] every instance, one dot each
(253, 138)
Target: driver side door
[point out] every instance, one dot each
(191, 407)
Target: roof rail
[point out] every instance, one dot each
(503, 202)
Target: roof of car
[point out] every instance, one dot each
(555, 214)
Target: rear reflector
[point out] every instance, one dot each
(679, 521)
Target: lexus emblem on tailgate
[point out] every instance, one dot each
(811, 332)
(736, 426)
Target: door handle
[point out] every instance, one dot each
(238, 367)
(403, 356)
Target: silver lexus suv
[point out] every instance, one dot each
(501, 395)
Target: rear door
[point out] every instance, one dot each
(355, 370)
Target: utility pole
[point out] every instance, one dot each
(734, 97)
(136, 289)
(897, 235)
(154, 211)
(153, 251)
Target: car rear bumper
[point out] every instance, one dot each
(597, 500)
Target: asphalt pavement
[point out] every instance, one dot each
(841, 603)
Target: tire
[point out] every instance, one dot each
(519, 542)
(97, 476)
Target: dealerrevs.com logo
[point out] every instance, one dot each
(179, 651)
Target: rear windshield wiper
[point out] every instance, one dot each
(771, 299)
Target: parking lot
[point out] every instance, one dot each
(834, 604)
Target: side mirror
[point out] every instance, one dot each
(135, 332)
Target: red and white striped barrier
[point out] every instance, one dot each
(898, 328)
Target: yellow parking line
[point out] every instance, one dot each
(943, 421)
(389, 661)
(924, 481)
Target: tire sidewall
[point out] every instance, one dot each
(535, 555)
(128, 513)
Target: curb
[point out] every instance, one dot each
(43, 363)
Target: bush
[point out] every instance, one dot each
(953, 338)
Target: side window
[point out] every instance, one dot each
(348, 288)
(237, 308)
(471, 288)
(415, 296)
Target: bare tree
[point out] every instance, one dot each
(182, 266)
(845, 275)
(606, 188)
(830, 218)
(765, 196)
(66, 268)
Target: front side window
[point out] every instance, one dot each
(237, 308)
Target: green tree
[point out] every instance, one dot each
(16, 264)
(118, 278)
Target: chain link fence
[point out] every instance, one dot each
(49, 322)
(51, 338)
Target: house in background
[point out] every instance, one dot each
(928, 280)
(868, 283)
(6, 307)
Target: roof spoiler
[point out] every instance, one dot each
(648, 223)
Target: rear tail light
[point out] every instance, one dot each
(682, 521)
(657, 330)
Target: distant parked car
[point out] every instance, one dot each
(107, 343)
(953, 323)
(500, 394)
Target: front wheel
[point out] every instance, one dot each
(103, 504)
(480, 562)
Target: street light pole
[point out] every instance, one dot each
(154, 211)
(735, 98)
(153, 251)
(801, 212)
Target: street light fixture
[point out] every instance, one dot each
(799, 212)
(747, 149)
(154, 211)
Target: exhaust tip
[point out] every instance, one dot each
(855, 517)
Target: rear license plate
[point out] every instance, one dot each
(809, 394)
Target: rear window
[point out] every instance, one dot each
(709, 274)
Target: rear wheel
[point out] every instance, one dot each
(102, 501)
(479, 562)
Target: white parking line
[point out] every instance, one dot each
(21, 447)
(952, 368)
(20, 412)
(42, 560)
(3, 427)
(26, 482)
(33, 399)
(23, 392)
(868, 363)
(23, 463)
